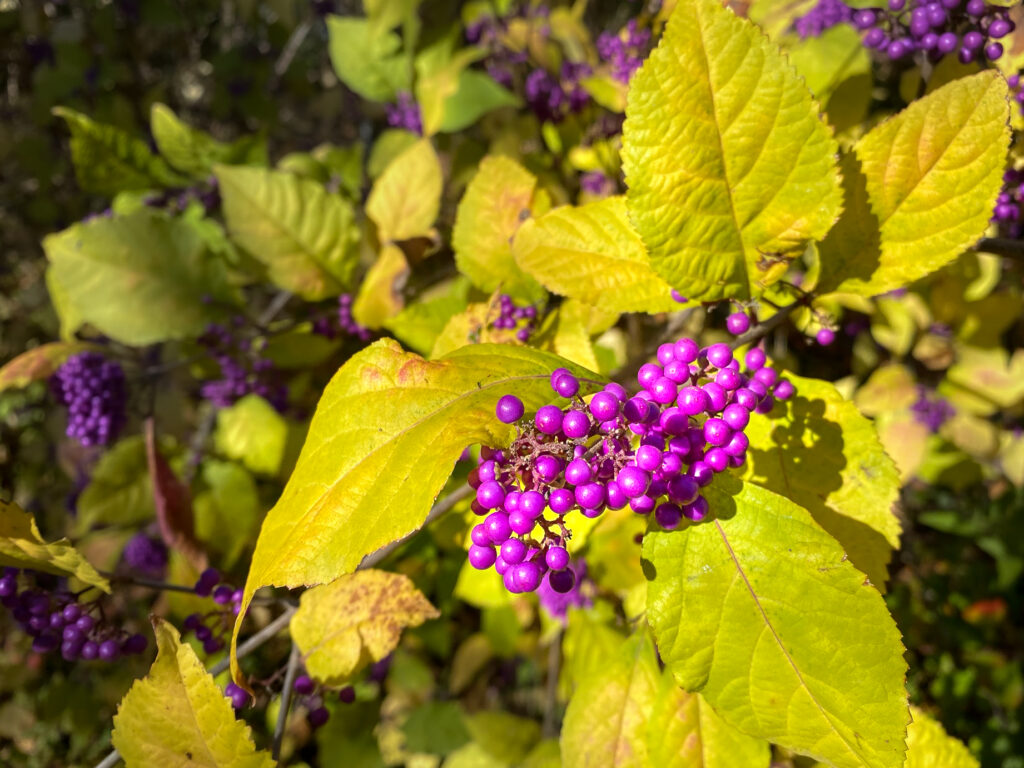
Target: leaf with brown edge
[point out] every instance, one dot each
(342, 626)
(173, 504)
(381, 446)
(38, 363)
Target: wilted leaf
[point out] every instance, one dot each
(37, 364)
(342, 626)
(173, 503)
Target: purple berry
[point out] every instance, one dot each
(561, 500)
(481, 557)
(304, 685)
(510, 409)
(575, 424)
(825, 336)
(590, 496)
(549, 419)
(557, 558)
(513, 551)
(566, 385)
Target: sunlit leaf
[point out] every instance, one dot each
(380, 293)
(384, 439)
(929, 746)
(252, 432)
(605, 724)
(21, 546)
(37, 364)
(178, 717)
(761, 611)
(354, 620)
(593, 254)
(730, 168)
(684, 732)
(926, 188)
(195, 152)
(817, 450)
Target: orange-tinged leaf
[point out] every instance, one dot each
(38, 363)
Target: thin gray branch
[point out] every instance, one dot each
(286, 701)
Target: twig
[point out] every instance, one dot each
(286, 700)
(291, 48)
(197, 444)
(550, 727)
(1001, 246)
(142, 581)
(763, 329)
(276, 305)
(439, 509)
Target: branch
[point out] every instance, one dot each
(1001, 246)
(286, 700)
(763, 329)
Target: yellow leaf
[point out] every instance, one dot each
(931, 176)
(929, 746)
(380, 294)
(359, 618)
(21, 546)
(497, 201)
(405, 200)
(731, 170)
(593, 254)
(178, 717)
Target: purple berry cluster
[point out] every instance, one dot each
(513, 317)
(93, 389)
(625, 52)
(653, 451)
(597, 183)
(405, 113)
(554, 97)
(311, 696)
(931, 410)
(1010, 203)
(56, 621)
(489, 32)
(145, 555)
(936, 27)
(825, 15)
(243, 370)
(214, 627)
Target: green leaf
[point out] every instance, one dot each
(139, 279)
(368, 59)
(728, 162)
(119, 491)
(929, 746)
(21, 546)
(928, 181)
(406, 199)
(837, 70)
(195, 152)
(252, 432)
(684, 732)
(342, 626)
(503, 735)
(593, 254)
(495, 204)
(302, 233)
(178, 717)
(419, 324)
(386, 409)
(817, 450)
(761, 611)
(108, 160)
(227, 511)
(37, 364)
(436, 727)
(605, 724)
(475, 95)
(389, 145)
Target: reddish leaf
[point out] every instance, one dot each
(173, 504)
